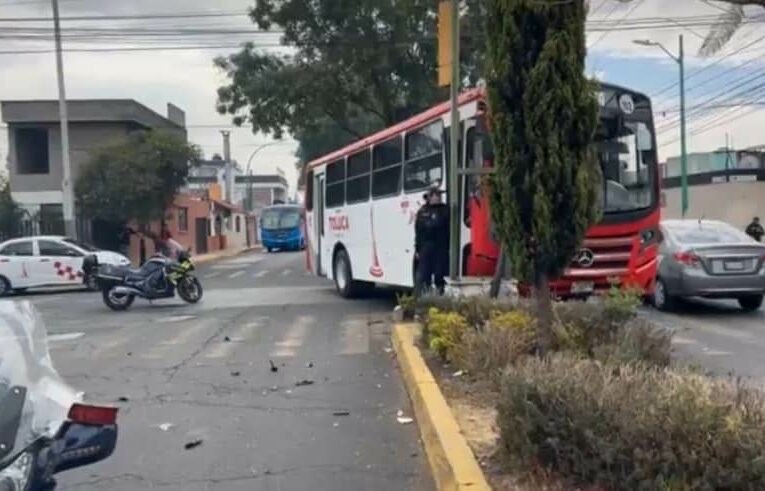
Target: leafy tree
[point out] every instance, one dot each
(10, 212)
(543, 114)
(354, 67)
(136, 179)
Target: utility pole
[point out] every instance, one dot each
(66, 165)
(683, 149)
(229, 172)
(454, 142)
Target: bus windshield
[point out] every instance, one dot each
(278, 218)
(626, 152)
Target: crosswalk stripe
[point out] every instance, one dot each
(287, 272)
(355, 336)
(213, 274)
(260, 274)
(244, 333)
(235, 275)
(163, 349)
(293, 337)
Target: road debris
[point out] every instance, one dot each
(335, 424)
(341, 413)
(404, 420)
(123, 399)
(303, 382)
(458, 373)
(236, 373)
(227, 339)
(388, 350)
(165, 426)
(274, 368)
(309, 364)
(192, 444)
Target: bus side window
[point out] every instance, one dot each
(309, 191)
(335, 187)
(424, 157)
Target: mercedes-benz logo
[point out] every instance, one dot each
(585, 258)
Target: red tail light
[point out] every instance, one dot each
(93, 415)
(687, 258)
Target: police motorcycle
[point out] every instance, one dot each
(45, 425)
(159, 277)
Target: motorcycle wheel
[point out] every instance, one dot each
(116, 301)
(190, 289)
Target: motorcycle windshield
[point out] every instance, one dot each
(34, 400)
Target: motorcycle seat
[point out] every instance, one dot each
(122, 272)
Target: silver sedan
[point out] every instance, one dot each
(707, 258)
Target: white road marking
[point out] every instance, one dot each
(235, 274)
(683, 340)
(174, 318)
(294, 337)
(355, 335)
(59, 338)
(213, 274)
(260, 274)
(244, 333)
(287, 272)
(165, 348)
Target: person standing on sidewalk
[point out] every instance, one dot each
(755, 230)
(431, 243)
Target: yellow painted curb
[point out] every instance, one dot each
(451, 461)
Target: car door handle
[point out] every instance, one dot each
(44, 260)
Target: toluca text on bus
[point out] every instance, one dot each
(361, 200)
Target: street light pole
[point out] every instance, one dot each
(454, 141)
(680, 60)
(67, 199)
(683, 149)
(248, 172)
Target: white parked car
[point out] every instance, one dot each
(48, 260)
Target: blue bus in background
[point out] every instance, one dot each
(281, 227)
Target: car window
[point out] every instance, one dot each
(51, 248)
(709, 234)
(81, 245)
(23, 248)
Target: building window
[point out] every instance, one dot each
(238, 224)
(424, 157)
(183, 219)
(386, 166)
(32, 151)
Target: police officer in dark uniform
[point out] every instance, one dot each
(431, 242)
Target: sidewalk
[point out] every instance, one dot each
(214, 256)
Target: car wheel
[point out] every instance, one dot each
(5, 286)
(662, 300)
(750, 302)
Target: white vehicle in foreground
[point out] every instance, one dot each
(48, 260)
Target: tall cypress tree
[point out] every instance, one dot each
(543, 116)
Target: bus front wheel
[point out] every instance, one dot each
(346, 286)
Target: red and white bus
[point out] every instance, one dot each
(361, 200)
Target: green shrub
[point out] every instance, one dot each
(640, 340)
(444, 331)
(408, 303)
(475, 309)
(632, 427)
(505, 338)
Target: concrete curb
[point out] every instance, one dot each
(451, 461)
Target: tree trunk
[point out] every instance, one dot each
(499, 274)
(543, 304)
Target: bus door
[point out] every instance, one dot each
(318, 223)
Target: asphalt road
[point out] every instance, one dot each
(183, 373)
(718, 336)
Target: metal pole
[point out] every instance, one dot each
(229, 166)
(454, 141)
(683, 149)
(67, 201)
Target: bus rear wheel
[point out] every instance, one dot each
(346, 286)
